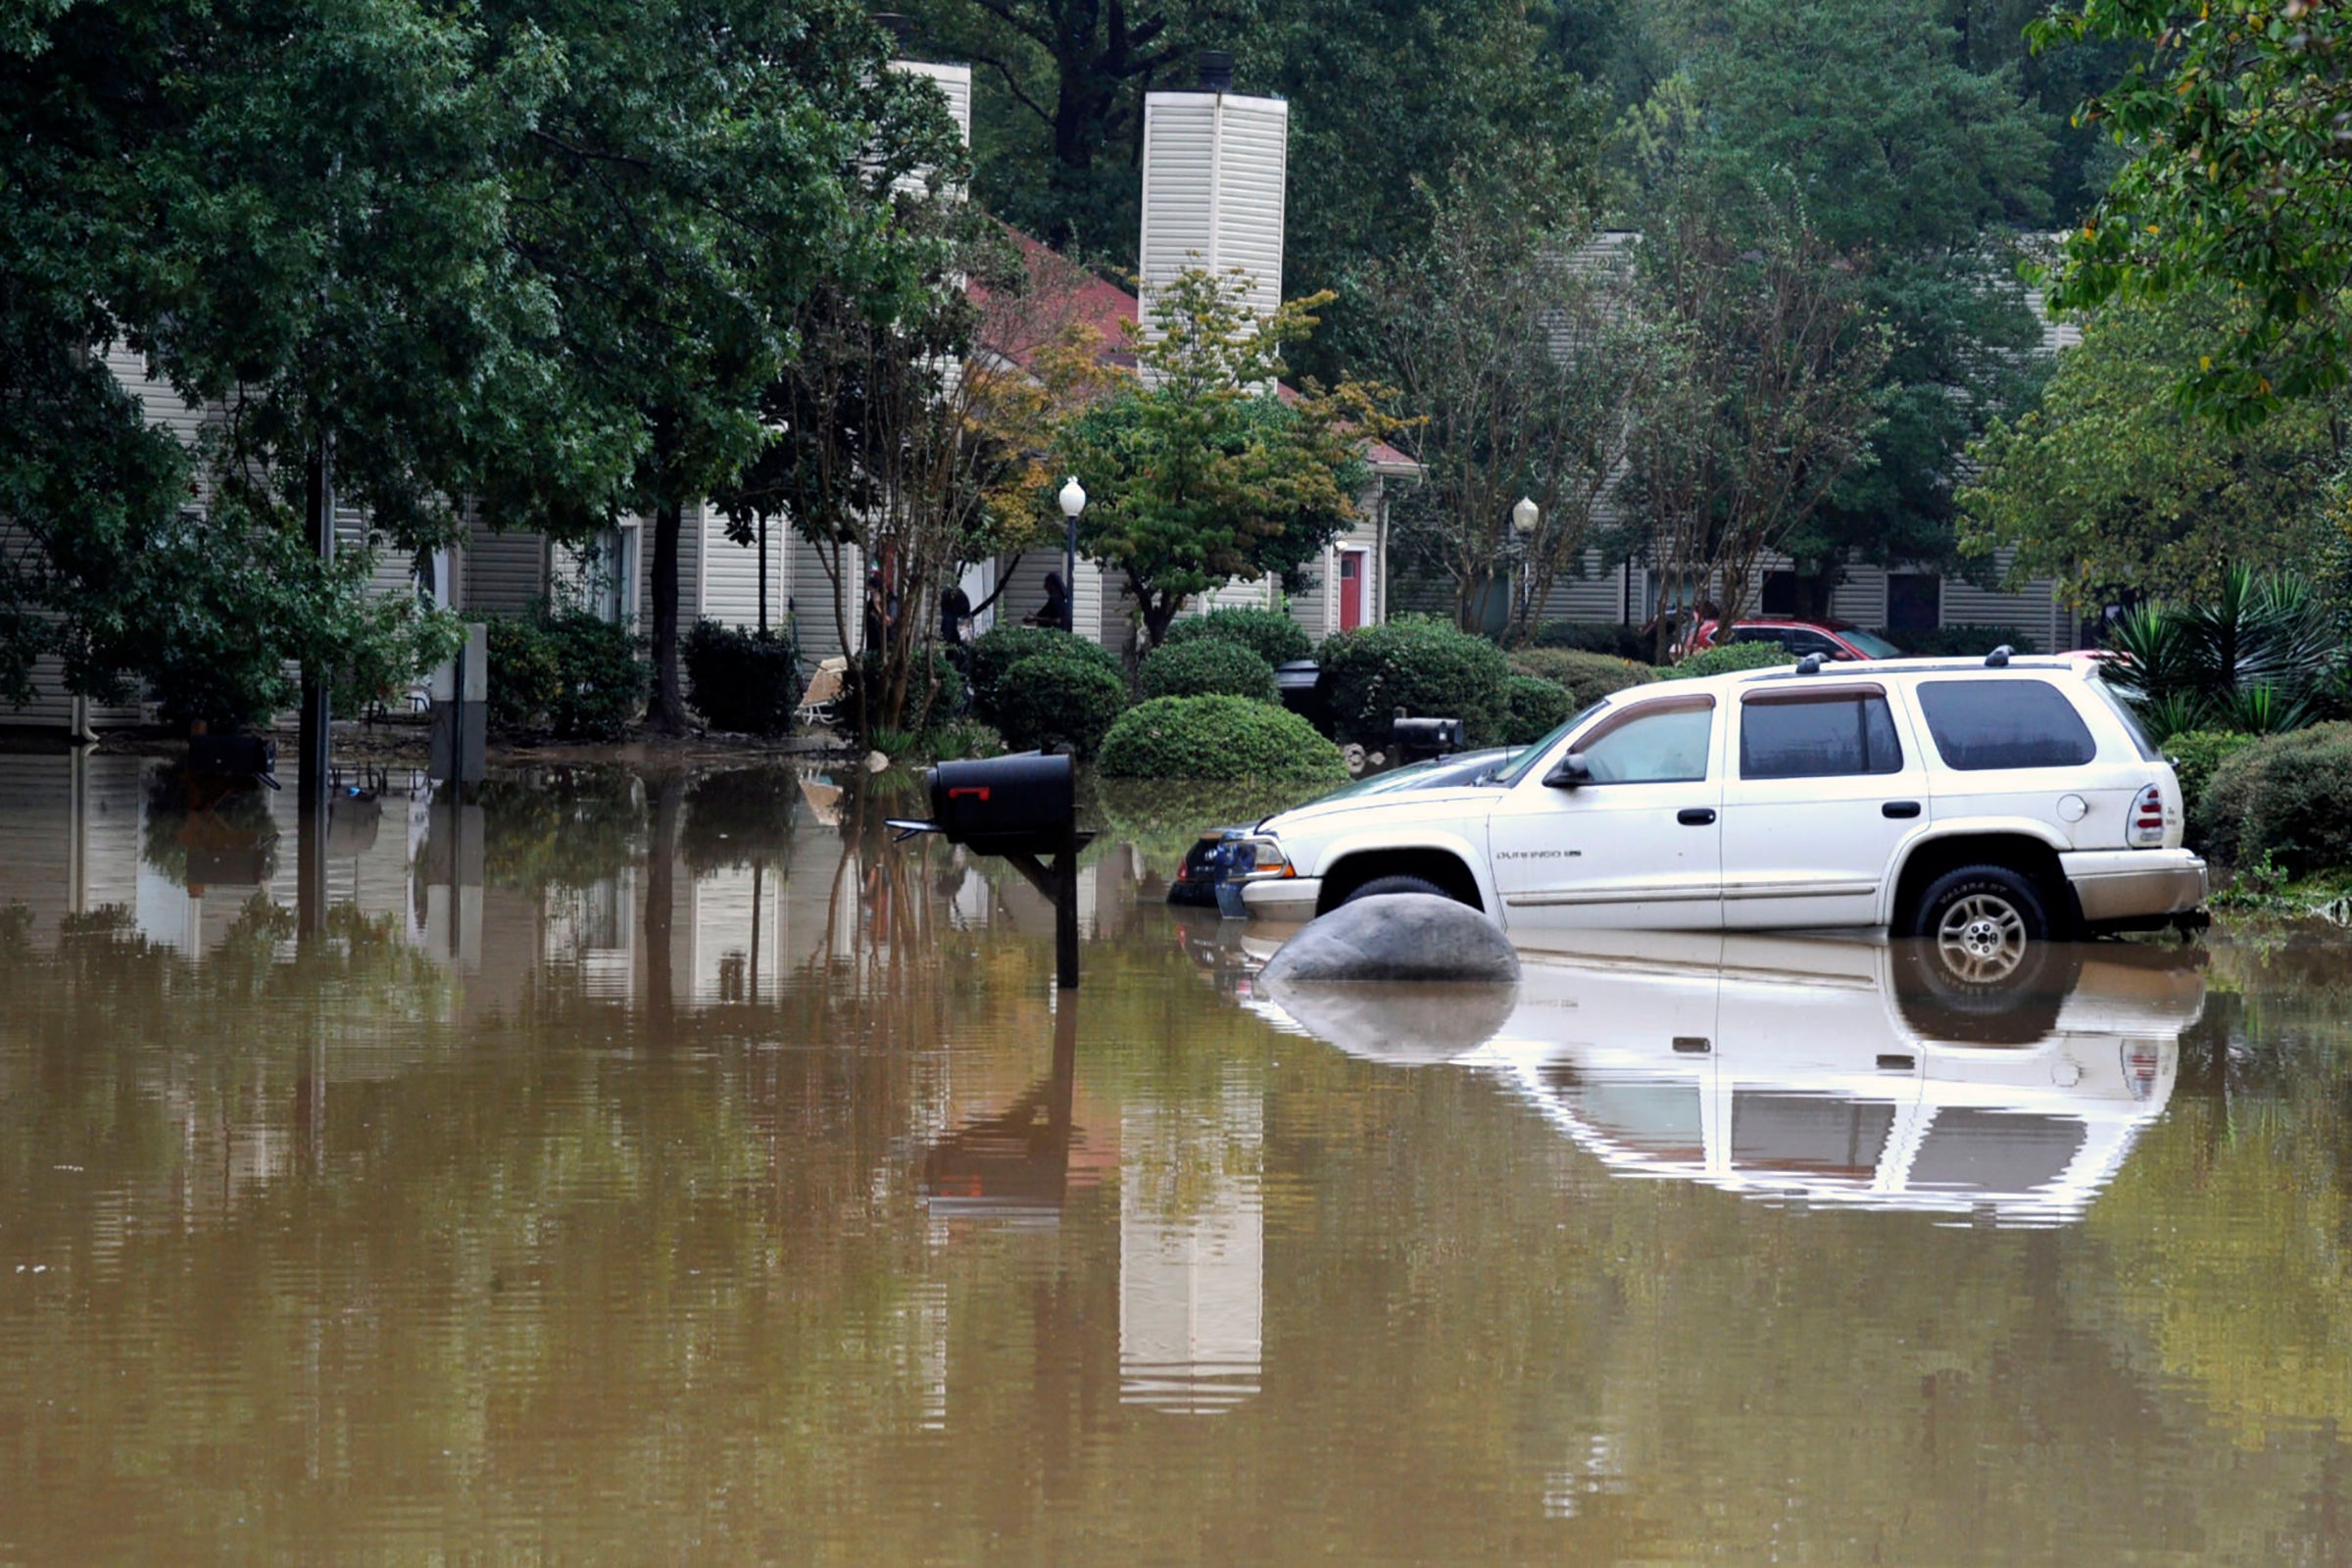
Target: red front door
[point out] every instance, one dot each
(1352, 589)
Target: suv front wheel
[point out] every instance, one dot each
(1982, 918)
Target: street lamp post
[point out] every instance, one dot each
(1073, 501)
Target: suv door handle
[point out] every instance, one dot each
(1899, 809)
(1695, 816)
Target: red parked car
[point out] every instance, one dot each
(1832, 639)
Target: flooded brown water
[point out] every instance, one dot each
(669, 1169)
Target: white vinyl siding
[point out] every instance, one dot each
(1216, 167)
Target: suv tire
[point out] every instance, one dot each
(1381, 887)
(1983, 920)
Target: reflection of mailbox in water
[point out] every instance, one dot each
(1022, 803)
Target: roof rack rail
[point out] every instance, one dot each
(1998, 659)
(1810, 664)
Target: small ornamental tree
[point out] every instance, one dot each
(1200, 471)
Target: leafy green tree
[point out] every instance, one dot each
(706, 166)
(1915, 171)
(1769, 390)
(296, 213)
(2233, 118)
(1519, 368)
(2109, 484)
(1201, 471)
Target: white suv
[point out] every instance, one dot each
(1984, 804)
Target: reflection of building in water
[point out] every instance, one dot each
(1192, 1254)
(84, 832)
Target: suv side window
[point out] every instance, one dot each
(1819, 735)
(1983, 725)
(1657, 743)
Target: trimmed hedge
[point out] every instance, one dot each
(1585, 677)
(745, 681)
(1536, 707)
(1207, 666)
(1058, 698)
(1959, 642)
(999, 650)
(1729, 656)
(1425, 667)
(1595, 637)
(2289, 797)
(1212, 738)
(1268, 634)
(2196, 753)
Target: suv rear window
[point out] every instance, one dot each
(1982, 725)
(1826, 736)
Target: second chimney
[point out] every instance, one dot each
(1215, 170)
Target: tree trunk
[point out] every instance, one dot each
(667, 713)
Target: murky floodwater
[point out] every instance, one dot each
(672, 1170)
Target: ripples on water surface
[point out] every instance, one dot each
(669, 1169)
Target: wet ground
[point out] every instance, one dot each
(670, 1169)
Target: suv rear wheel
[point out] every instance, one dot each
(1982, 918)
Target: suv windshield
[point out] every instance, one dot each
(1535, 754)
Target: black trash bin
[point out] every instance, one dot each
(1300, 682)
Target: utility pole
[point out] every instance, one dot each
(316, 712)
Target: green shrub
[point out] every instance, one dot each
(1421, 664)
(525, 682)
(2286, 798)
(1595, 637)
(1058, 698)
(935, 690)
(2196, 754)
(1729, 656)
(1205, 738)
(603, 681)
(741, 680)
(1959, 642)
(1268, 634)
(998, 651)
(1207, 666)
(568, 671)
(1535, 706)
(1585, 677)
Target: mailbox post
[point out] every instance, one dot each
(1022, 808)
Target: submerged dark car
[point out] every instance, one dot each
(1218, 855)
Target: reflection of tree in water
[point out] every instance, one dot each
(567, 828)
(742, 816)
(229, 830)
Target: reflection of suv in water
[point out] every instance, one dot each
(1832, 1070)
(1985, 805)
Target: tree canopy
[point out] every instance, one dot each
(1201, 470)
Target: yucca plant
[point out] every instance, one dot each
(2255, 657)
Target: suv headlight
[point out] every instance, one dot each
(1259, 857)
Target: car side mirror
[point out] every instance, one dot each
(1569, 774)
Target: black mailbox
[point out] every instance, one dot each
(1019, 805)
(1416, 739)
(232, 755)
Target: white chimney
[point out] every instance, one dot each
(955, 82)
(1216, 167)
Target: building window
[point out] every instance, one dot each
(1914, 602)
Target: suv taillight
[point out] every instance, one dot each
(2147, 818)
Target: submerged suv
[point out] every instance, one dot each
(1983, 803)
